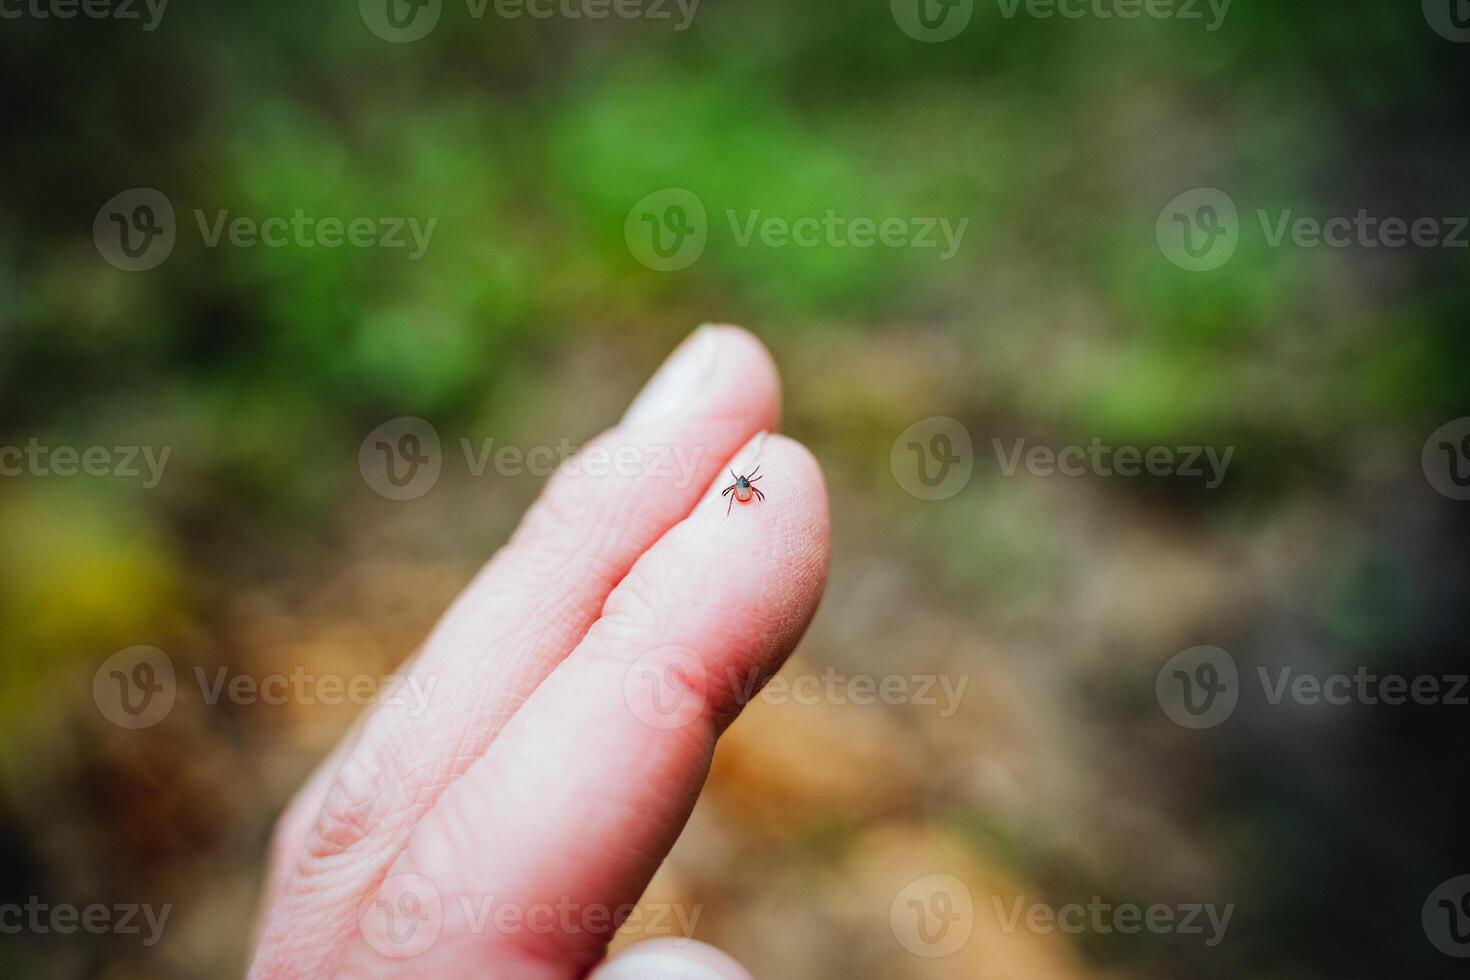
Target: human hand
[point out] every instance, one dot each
(551, 770)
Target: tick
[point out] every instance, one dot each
(742, 489)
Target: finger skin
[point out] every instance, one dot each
(521, 616)
(300, 816)
(585, 791)
(670, 959)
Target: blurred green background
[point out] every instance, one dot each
(530, 320)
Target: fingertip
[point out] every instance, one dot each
(753, 364)
(671, 959)
(779, 547)
(794, 513)
(718, 370)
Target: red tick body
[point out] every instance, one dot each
(742, 490)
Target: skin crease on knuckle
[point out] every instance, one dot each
(351, 818)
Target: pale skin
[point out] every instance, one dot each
(538, 778)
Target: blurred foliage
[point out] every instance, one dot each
(527, 142)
